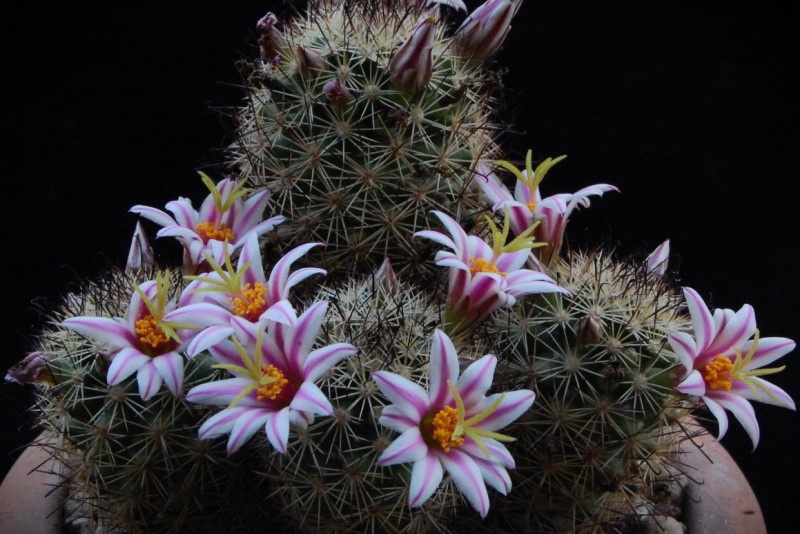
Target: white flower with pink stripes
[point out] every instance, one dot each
(452, 427)
(273, 385)
(723, 366)
(143, 342)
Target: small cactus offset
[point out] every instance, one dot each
(362, 118)
(376, 325)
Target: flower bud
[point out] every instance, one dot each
(658, 260)
(386, 277)
(271, 40)
(309, 63)
(484, 31)
(336, 92)
(412, 64)
(34, 368)
(140, 255)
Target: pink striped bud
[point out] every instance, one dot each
(658, 260)
(484, 31)
(141, 254)
(412, 64)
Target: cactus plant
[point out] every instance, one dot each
(354, 156)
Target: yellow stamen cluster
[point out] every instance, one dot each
(210, 230)
(251, 303)
(531, 206)
(150, 334)
(482, 266)
(718, 373)
(272, 383)
(444, 425)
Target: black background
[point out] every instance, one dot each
(689, 109)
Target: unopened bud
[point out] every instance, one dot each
(386, 277)
(271, 40)
(336, 92)
(309, 63)
(658, 260)
(33, 368)
(412, 64)
(590, 330)
(141, 254)
(484, 31)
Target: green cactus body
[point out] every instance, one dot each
(131, 465)
(605, 422)
(362, 169)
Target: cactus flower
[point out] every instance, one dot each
(223, 218)
(273, 385)
(484, 278)
(527, 205)
(485, 29)
(452, 427)
(143, 342)
(412, 64)
(723, 365)
(243, 292)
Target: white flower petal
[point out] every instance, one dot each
(408, 447)
(426, 475)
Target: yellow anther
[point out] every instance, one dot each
(718, 373)
(272, 383)
(150, 333)
(210, 230)
(531, 206)
(251, 303)
(482, 266)
(444, 425)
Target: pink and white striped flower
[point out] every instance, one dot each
(143, 342)
(527, 206)
(484, 278)
(273, 380)
(452, 427)
(243, 292)
(223, 218)
(723, 365)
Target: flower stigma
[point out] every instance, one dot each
(531, 179)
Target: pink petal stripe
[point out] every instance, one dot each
(280, 312)
(201, 314)
(102, 330)
(437, 237)
(782, 398)
(304, 334)
(219, 393)
(684, 348)
(170, 368)
(185, 214)
(149, 381)
(693, 384)
(124, 364)
(252, 213)
(476, 380)
(459, 236)
(443, 368)
(278, 430)
(769, 349)
(280, 272)
(514, 404)
(426, 475)
(409, 397)
(719, 413)
(309, 398)
(408, 447)
(155, 215)
(467, 477)
(493, 474)
(394, 419)
(208, 338)
(245, 427)
(742, 410)
(498, 453)
(251, 253)
(702, 321)
(322, 359)
(221, 423)
(736, 331)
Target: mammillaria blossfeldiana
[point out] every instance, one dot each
(223, 218)
(452, 427)
(273, 380)
(723, 365)
(143, 342)
(484, 278)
